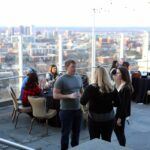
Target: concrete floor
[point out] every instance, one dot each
(137, 132)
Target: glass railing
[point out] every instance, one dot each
(41, 49)
(14, 80)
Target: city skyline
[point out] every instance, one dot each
(80, 13)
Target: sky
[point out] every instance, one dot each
(75, 13)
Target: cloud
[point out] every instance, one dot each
(74, 13)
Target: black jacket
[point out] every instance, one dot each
(99, 102)
(124, 108)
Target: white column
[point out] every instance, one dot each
(145, 49)
(93, 59)
(60, 53)
(121, 46)
(20, 55)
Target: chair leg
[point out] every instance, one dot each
(17, 119)
(12, 112)
(128, 122)
(147, 99)
(31, 125)
(46, 126)
(127, 119)
(14, 116)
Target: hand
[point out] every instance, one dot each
(78, 94)
(46, 85)
(119, 122)
(74, 95)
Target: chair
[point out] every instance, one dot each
(18, 109)
(148, 97)
(38, 105)
(11, 92)
(127, 119)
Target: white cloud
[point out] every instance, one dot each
(74, 13)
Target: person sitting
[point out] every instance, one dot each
(51, 77)
(31, 89)
(28, 72)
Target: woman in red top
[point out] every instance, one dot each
(31, 89)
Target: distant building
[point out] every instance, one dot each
(12, 31)
(21, 30)
(2, 59)
(27, 31)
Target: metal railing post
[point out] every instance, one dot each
(14, 145)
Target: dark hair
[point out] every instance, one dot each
(56, 73)
(68, 62)
(126, 77)
(51, 67)
(126, 64)
(114, 64)
(32, 81)
(125, 74)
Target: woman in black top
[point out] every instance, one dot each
(125, 92)
(101, 97)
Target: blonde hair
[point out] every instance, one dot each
(102, 79)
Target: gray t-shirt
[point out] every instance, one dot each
(69, 84)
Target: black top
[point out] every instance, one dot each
(99, 102)
(124, 108)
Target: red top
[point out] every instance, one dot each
(35, 91)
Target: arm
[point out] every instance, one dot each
(116, 99)
(47, 77)
(38, 91)
(124, 103)
(49, 80)
(85, 96)
(58, 95)
(57, 91)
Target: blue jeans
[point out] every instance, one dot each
(70, 121)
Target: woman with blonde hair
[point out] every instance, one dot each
(101, 97)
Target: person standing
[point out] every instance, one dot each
(127, 65)
(101, 97)
(67, 89)
(125, 90)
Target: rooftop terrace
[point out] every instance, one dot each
(137, 132)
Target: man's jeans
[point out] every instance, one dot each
(70, 121)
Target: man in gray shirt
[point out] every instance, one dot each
(68, 89)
